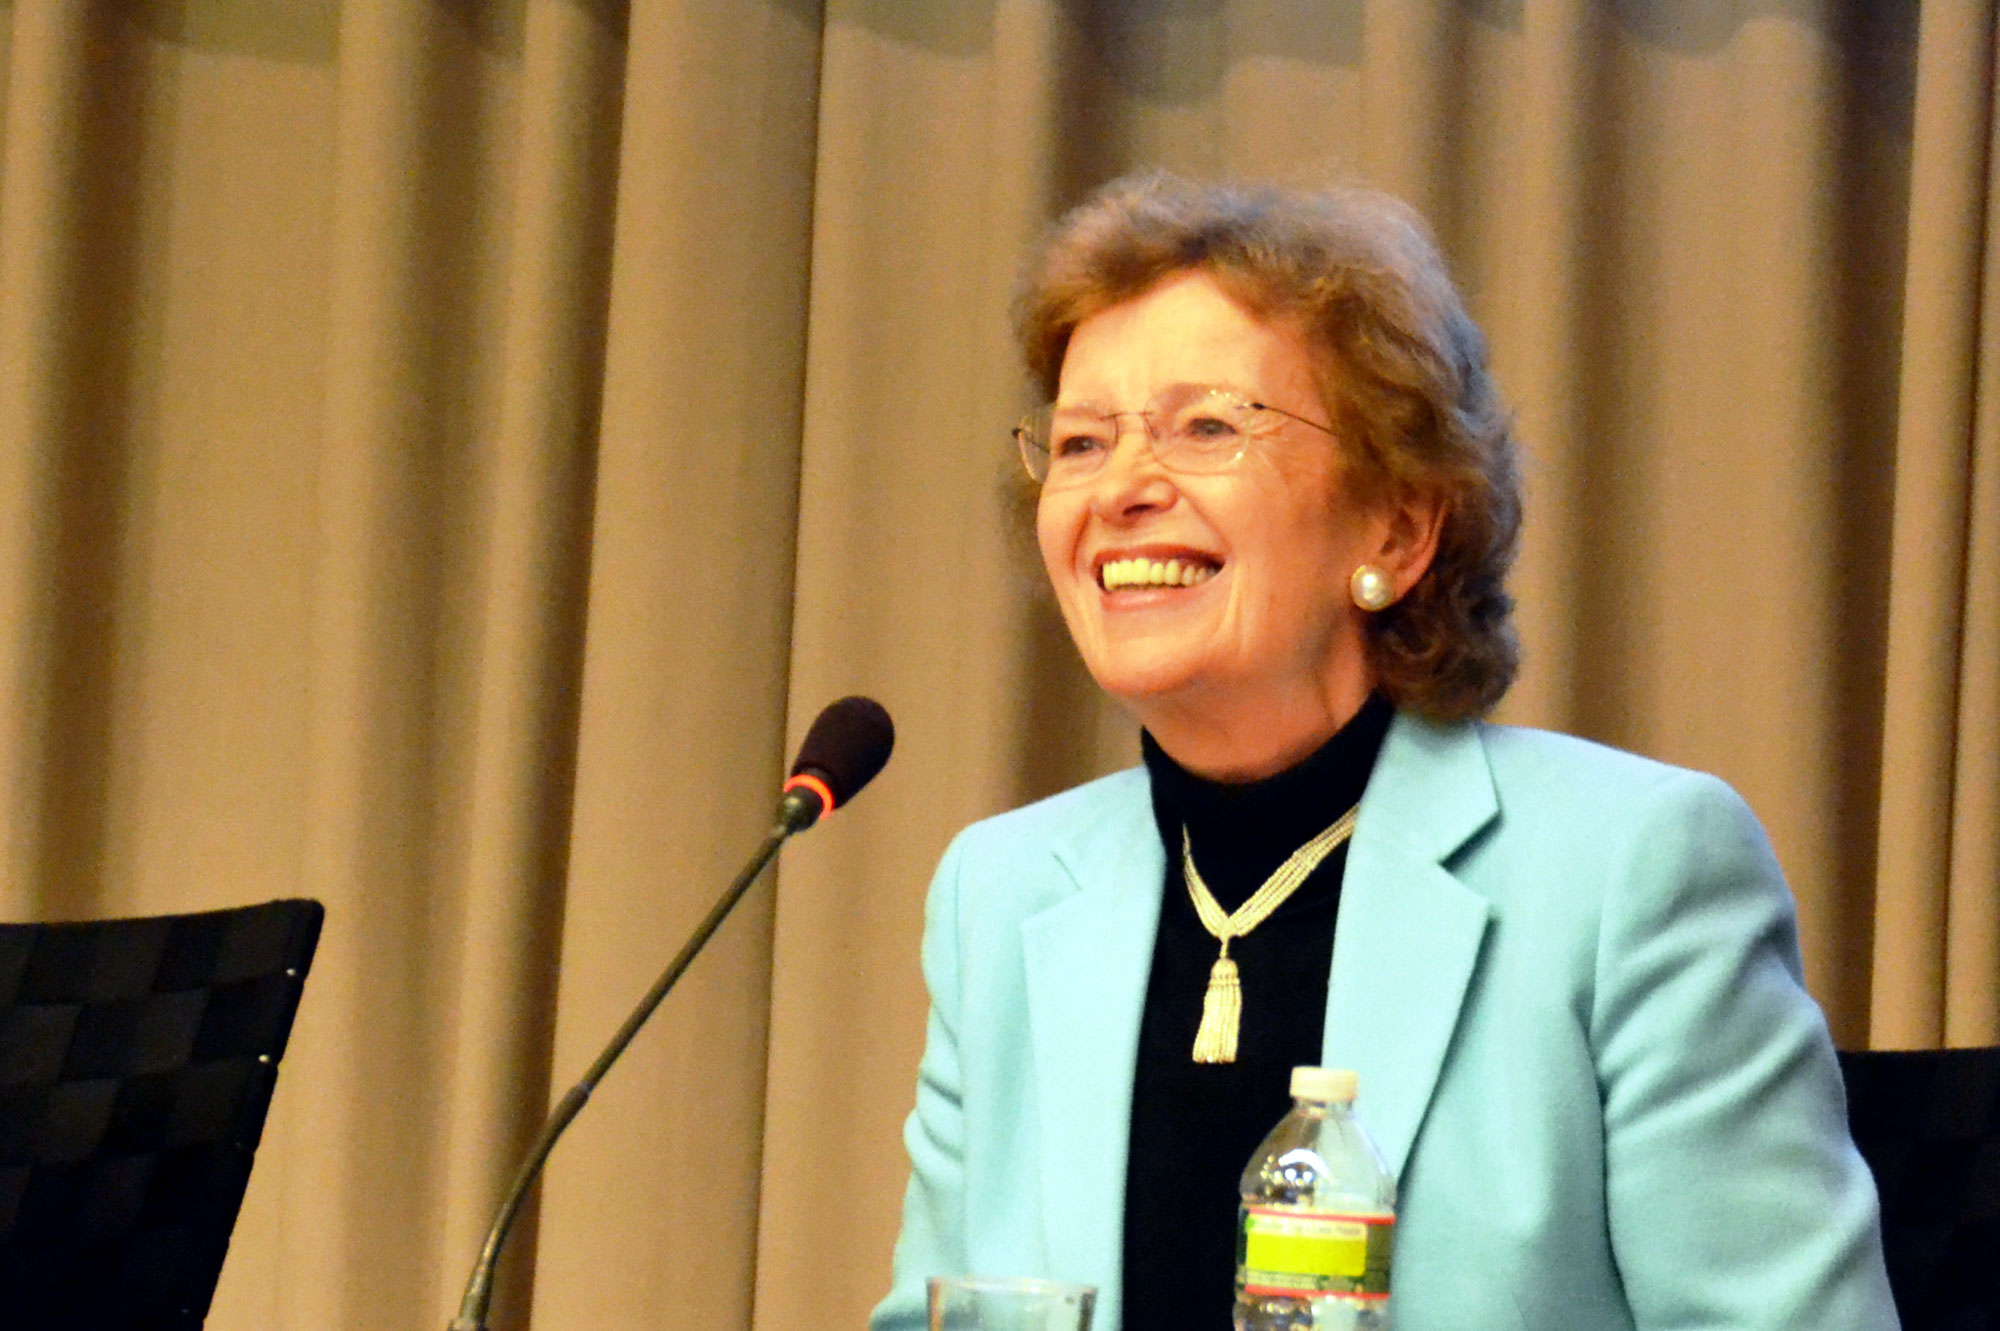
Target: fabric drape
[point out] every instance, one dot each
(1937, 941)
(450, 448)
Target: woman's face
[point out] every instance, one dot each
(1266, 635)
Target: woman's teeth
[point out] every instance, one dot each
(1142, 572)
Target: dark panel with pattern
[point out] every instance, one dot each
(137, 1059)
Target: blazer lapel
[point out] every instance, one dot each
(1409, 932)
(1087, 957)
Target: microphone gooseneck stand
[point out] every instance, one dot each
(799, 809)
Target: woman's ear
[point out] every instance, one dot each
(1406, 541)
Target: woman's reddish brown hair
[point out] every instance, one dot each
(1401, 367)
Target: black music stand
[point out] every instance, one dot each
(137, 1060)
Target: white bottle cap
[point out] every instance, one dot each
(1328, 1085)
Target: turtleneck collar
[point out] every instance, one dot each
(1243, 831)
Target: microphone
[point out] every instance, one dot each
(846, 747)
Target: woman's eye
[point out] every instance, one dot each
(1077, 444)
(1206, 429)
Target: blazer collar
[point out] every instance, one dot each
(1405, 945)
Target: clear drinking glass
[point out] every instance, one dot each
(1008, 1303)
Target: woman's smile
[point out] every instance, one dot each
(1123, 574)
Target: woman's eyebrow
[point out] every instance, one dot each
(1177, 392)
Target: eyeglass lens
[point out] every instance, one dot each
(1192, 429)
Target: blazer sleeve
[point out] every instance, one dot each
(931, 1240)
(1735, 1197)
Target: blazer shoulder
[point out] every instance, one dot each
(1580, 801)
(1003, 870)
(1589, 773)
(1063, 817)
(1097, 836)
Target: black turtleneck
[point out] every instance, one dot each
(1194, 1125)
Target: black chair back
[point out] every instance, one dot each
(1928, 1123)
(137, 1059)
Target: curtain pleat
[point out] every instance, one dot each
(1951, 236)
(649, 1214)
(449, 450)
(68, 339)
(369, 798)
(38, 243)
(1538, 297)
(532, 595)
(1971, 942)
(1972, 911)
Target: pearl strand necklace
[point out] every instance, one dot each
(1222, 1005)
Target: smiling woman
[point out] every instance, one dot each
(1278, 503)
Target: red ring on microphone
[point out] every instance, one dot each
(817, 787)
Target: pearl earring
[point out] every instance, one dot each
(1371, 588)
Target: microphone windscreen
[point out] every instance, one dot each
(847, 745)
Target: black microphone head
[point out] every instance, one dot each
(848, 744)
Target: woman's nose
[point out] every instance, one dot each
(1132, 479)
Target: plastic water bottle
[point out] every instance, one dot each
(1318, 1222)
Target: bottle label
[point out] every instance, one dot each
(1286, 1252)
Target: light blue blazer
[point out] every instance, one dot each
(1569, 979)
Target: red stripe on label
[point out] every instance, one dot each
(1357, 1217)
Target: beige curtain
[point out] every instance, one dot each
(1937, 883)
(450, 448)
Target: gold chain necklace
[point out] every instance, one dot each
(1222, 1005)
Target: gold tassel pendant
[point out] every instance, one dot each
(1222, 1005)
(1221, 1013)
